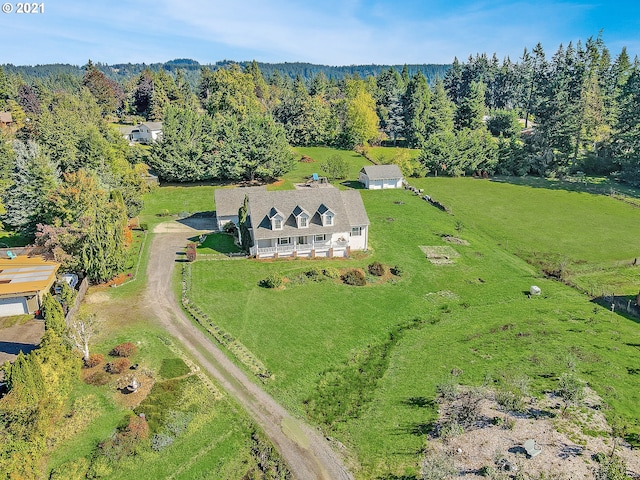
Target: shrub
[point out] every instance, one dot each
(94, 360)
(74, 470)
(191, 252)
(354, 277)
(272, 281)
(377, 269)
(447, 391)
(331, 272)
(123, 350)
(229, 227)
(315, 274)
(118, 366)
(397, 270)
(97, 379)
(161, 441)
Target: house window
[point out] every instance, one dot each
(303, 222)
(328, 220)
(302, 241)
(356, 231)
(277, 223)
(320, 238)
(284, 241)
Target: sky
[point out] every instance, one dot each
(347, 32)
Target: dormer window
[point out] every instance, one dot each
(328, 219)
(277, 219)
(326, 215)
(302, 217)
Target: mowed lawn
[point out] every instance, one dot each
(596, 236)
(477, 320)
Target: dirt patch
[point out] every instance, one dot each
(498, 438)
(455, 240)
(23, 337)
(118, 384)
(97, 297)
(440, 254)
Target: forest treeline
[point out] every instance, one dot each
(70, 181)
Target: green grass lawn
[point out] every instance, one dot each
(386, 154)
(476, 318)
(303, 171)
(164, 202)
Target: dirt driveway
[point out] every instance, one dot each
(305, 450)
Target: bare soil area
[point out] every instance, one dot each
(497, 441)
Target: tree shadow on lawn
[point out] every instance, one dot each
(571, 184)
(419, 402)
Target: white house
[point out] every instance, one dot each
(148, 132)
(376, 177)
(308, 223)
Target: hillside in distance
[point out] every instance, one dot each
(191, 68)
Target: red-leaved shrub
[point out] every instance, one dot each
(118, 366)
(94, 360)
(124, 350)
(97, 378)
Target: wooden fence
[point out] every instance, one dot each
(82, 290)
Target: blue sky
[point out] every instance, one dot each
(328, 32)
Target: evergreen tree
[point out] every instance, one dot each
(28, 100)
(441, 111)
(417, 104)
(471, 108)
(34, 178)
(53, 315)
(108, 93)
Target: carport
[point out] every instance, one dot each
(23, 282)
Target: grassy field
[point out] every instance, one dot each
(303, 171)
(471, 318)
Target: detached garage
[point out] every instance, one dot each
(378, 177)
(23, 282)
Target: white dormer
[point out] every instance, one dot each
(326, 215)
(277, 219)
(302, 217)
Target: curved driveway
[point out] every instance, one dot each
(305, 450)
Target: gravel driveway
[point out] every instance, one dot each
(305, 450)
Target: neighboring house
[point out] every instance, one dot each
(376, 177)
(23, 282)
(228, 201)
(309, 223)
(5, 119)
(148, 132)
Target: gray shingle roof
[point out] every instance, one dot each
(229, 200)
(153, 125)
(382, 172)
(346, 205)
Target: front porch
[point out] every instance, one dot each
(314, 249)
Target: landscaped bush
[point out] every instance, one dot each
(331, 272)
(118, 366)
(191, 252)
(97, 378)
(355, 278)
(272, 281)
(315, 274)
(161, 441)
(94, 360)
(229, 227)
(397, 270)
(123, 350)
(376, 268)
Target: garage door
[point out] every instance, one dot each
(389, 184)
(375, 184)
(13, 306)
